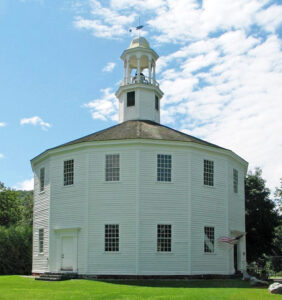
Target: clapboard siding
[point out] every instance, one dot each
(138, 203)
(41, 219)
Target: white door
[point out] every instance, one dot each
(67, 253)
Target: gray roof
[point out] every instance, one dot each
(139, 129)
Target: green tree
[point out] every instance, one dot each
(261, 217)
(10, 207)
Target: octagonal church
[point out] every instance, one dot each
(139, 198)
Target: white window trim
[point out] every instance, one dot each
(120, 163)
(203, 247)
(40, 252)
(69, 185)
(156, 235)
(104, 238)
(156, 167)
(203, 171)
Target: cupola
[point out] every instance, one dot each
(139, 93)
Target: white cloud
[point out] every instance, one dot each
(2, 124)
(104, 108)
(109, 67)
(35, 121)
(26, 185)
(1, 155)
(222, 81)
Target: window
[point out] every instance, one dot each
(41, 240)
(112, 237)
(164, 238)
(68, 172)
(156, 102)
(235, 181)
(112, 167)
(209, 240)
(130, 98)
(164, 167)
(208, 172)
(42, 180)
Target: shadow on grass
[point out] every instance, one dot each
(181, 283)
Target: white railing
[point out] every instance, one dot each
(139, 79)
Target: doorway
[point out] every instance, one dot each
(67, 255)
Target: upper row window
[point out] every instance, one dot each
(164, 171)
(42, 180)
(164, 167)
(112, 167)
(68, 172)
(208, 172)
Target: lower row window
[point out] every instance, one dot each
(209, 240)
(112, 237)
(41, 240)
(164, 233)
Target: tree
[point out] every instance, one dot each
(261, 217)
(10, 207)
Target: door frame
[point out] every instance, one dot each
(66, 232)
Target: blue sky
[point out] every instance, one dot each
(220, 68)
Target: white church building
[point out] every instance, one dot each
(139, 198)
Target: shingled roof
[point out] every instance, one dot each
(139, 129)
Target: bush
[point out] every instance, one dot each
(15, 250)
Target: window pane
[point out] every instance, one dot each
(164, 238)
(42, 179)
(156, 103)
(112, 237)
(68, 172)
(164, 167)
(235, 181)
(41, 240)
(112, 167)
(208, 172)
(209, 240)
(130, 98)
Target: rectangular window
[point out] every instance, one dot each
(41, 240)
(156, 103)
(130, 98)
(112, 237)
(68, 172)
(164, 238)
(164, 167)
(209, 240)
(112, 167)
(235, 181)
(42, 180)
(208, 172)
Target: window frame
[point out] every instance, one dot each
(68, 173)
(111, 243)
(41, 240)
(213, 242)
(128, 103)
(164, 241)
(157, 103)
(160, 169)
(106, 169)
(42, 180)
(206, 174)
(235, 181)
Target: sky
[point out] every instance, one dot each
(220, 69)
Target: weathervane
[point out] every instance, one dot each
(138, 28)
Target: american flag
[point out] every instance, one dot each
(226, 239)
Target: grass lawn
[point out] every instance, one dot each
(16, 287)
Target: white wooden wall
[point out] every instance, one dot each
(138, 203)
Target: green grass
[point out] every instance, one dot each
(16, 287)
